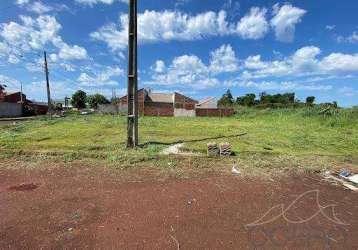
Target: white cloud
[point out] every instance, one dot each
(186, 70)
(94, 2)
(21, 2)
(285, 20)
(103, 78)
(339, 62)
(39, 8)
(159, 66)
(164, 26)
(277, 85)
(11, 84)
(353, 38)
(72, 52)
(190, 71)
(254, 25)
(303, 62)
(330, 27)
(35, 34)
(224, 60)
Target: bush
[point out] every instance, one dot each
(28, 110)
(95, 100)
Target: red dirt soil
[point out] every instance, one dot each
(92, 208)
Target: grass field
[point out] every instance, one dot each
(298, 133)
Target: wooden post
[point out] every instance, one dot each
(132, 95)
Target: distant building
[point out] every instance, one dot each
(14, 97)
(2, 93)
(160, 104)
(40, 108)
(174, 104)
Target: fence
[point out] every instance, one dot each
(8, 109)
(112, 109)
(184, 113)
(214, 112)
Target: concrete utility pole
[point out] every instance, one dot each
(47, 84)
(132, 77)
(22, 101)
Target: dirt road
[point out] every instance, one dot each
(89, 208)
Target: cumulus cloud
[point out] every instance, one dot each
(34, 34)
(284, 22)
(224, 60)
(190, 71)
(186, 70)
(165, 26)
(103, 78)
(159, 67)
(303, 62)
(254, 25)
(353, 38)
(39, 7)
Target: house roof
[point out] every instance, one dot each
(161, 97)
(12, 93)
(206, 100)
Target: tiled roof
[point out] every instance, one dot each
(205, 100)
(160, 97)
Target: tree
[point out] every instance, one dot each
(79, 99)
(94, 100)
(247, 100)
(227, 99)
(310, 100)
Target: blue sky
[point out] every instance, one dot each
(200, 48)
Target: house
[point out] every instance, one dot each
(174, 104)
(162, 104)
(209, 107)
(40, 108)
(2, 93)
(14, 97)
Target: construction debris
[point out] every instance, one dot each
(343, 182)
(353, 178)
(213, 149)
(225, 149)
(344, 173)
(235, 170)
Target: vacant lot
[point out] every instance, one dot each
(254, 134)
(47, 173)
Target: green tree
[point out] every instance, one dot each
(310, 100)
(247, 100)
(79, 99)
(227, 99)
(96, 99)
